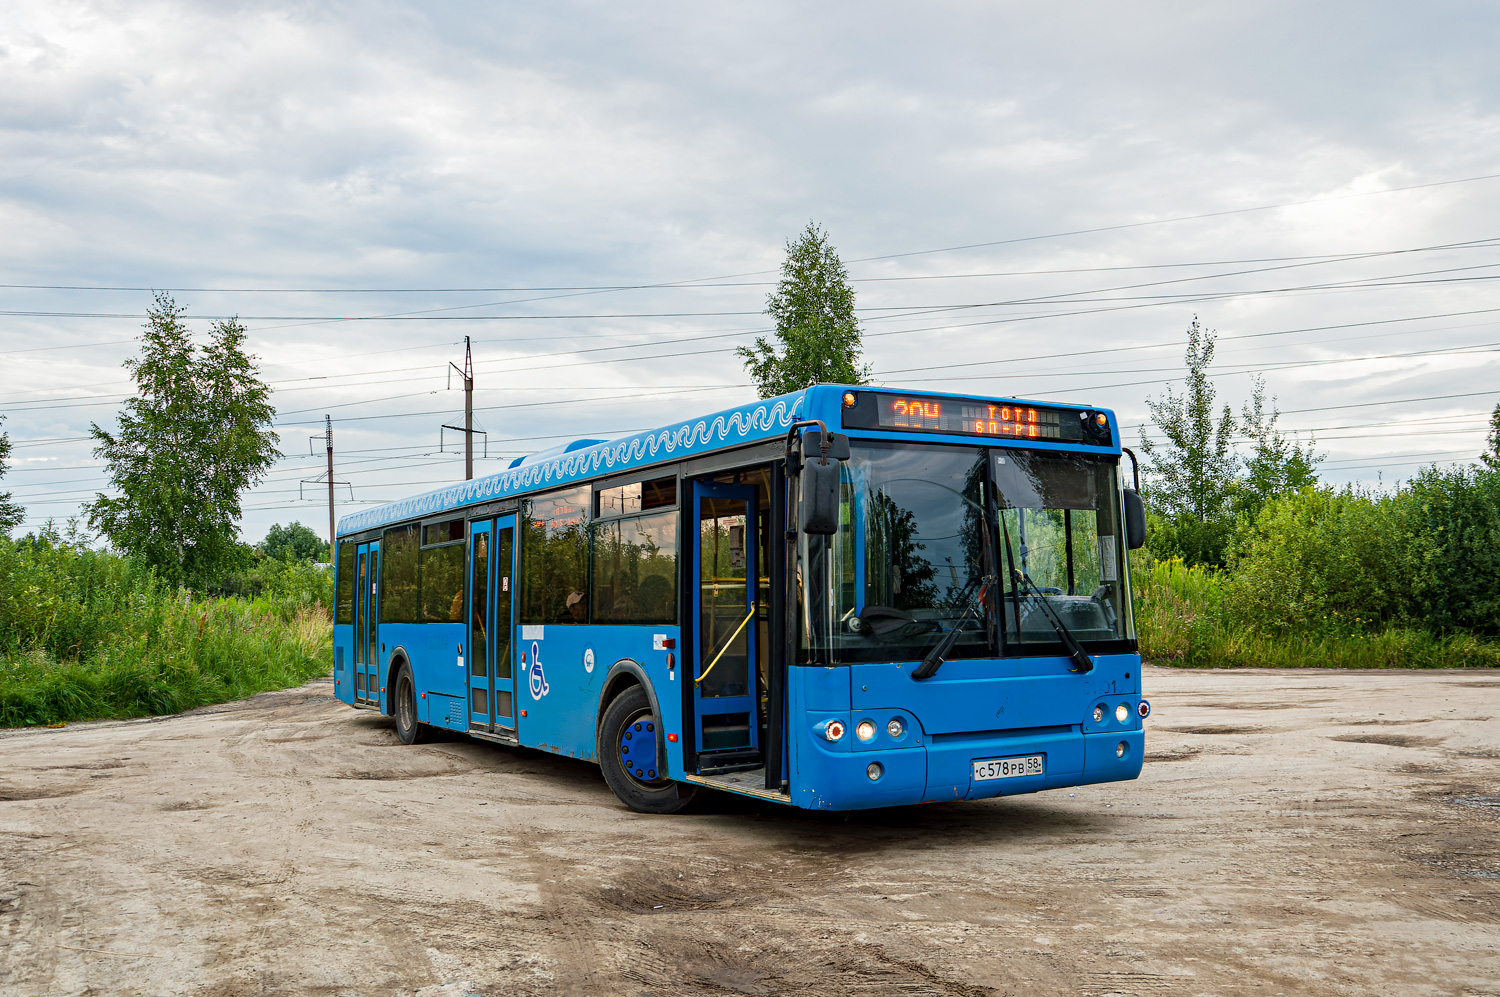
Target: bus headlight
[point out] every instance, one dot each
(865, 731)
(895, 728)
(1122, 713)
(834, 731)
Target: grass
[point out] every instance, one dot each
(1189, 617)
(208, 651)
(87, 635)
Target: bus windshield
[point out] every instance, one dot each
(915, 549)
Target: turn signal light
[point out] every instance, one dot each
(895, 728)
(848, 399)
(834, 730)
(1099, 714)
(1143, 708)
(1101, 419)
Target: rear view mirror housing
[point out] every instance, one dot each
(819, 482)
(1135, 520)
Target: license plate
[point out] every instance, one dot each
(1009, 768)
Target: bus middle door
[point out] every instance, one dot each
(491, 573)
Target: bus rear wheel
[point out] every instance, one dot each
(630, 754)
(408, 728)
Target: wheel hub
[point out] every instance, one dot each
(638, 749)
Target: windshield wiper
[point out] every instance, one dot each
(1080, 658)
(933, 660)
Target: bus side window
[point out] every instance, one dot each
(554, 557)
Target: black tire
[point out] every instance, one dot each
(408, 728)
(628, 721)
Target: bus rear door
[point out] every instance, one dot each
(366, 634)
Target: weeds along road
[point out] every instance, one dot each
(1294, 833)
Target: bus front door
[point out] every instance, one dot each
(491, 685)
(366, 634)
(725, 693)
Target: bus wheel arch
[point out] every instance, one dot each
(628, 708)
(403, 700)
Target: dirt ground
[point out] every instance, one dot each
(1293, 833)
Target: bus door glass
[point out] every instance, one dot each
(724, 634)
(502, 587)
(480, 624)
(366, 636)
(491, 687)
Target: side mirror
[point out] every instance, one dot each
(1135, 520)
(818, 482)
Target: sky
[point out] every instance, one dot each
(1033, 201)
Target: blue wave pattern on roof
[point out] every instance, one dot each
(746, 424)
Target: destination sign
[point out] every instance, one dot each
(969, 417)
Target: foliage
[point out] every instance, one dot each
(813, 308)
(86, 634)
(1451, 522)
(1491, 456)
(1276, 465)
(1193, 472)
(1198, 487)
(1185, 615)
(1319, 555)
(193, 439)
(293, 542)
(11, 514)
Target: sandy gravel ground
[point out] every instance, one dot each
(1294, 833)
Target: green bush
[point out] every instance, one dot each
(1195, 617)
(1452, 519)
(86, 634)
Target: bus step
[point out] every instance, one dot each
(729, 761)
(728, 737)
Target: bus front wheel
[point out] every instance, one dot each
(408, 728)
(630, 755)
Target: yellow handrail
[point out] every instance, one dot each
(700, 678)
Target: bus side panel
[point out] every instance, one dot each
(343, 662)
(558, 685)
(436, 654)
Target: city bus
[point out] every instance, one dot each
(846, 597)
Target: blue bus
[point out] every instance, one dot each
(845, 597)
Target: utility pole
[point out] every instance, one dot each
(467, 373)
(312, 448)
(328, 439)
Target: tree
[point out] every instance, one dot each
(193, 439)
(813, 308)
(293, 542)
(11, 514)
(1194, 471)
(1276, 464)
(1491, 457)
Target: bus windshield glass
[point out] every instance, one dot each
(915, 549)
(1060, 542)
(908, 561)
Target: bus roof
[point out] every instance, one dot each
(768, 418)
